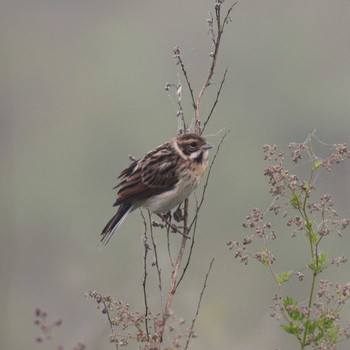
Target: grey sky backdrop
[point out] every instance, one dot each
(82, 86)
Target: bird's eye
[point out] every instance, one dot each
(193, 144)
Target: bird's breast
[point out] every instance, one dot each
(189, 176)
(167, 200)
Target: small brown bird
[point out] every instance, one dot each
(161, 180)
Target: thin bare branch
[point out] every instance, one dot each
(156, 260)
(180, 112)
(177, 55)
(215, 102)
(145, 274)
(198, 206)
(189, 255)
(227, 17)
(109, 318)
(174, 228)
(216, 40)
(199, 304)
(168, 246)
(174, 275)
(208, 176)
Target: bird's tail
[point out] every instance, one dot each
(115, 222)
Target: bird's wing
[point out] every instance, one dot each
(154, 174)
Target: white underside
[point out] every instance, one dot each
(164, 202)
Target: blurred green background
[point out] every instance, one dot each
(82, 86)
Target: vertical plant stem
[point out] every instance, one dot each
(174, 276)
(314, 258)
(145, 274)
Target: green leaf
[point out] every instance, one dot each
(296, 315)
(327, 329)
(283, 277)
(295, 201)
(288, 300)
(319, 263)
(294, 312)
(306, 187)
(310, 327)
(309, 225)
(325, 323)
(291, 328)
(334, 333)
(317, 164)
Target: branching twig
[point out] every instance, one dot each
(215, 102)
(173, 227)
(168, 246)
(109, 318)
(198, 206)
(180, 113)
(208, 176)
(177, 54)
(156, 260)
(199, 304)
(216, 40)
(174, 275)
(145, 273)
(153, 334)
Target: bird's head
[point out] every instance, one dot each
(193, 146)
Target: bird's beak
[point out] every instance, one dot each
(208, 146)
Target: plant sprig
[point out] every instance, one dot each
(316, 322)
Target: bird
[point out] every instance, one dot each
(161, 180)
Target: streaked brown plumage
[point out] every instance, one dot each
(161, 180)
